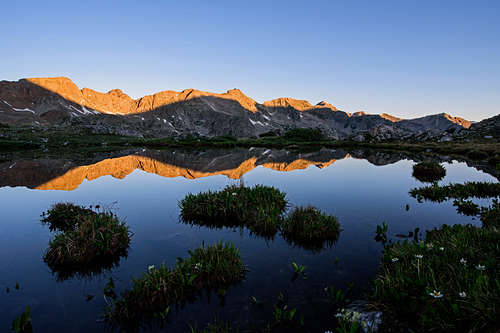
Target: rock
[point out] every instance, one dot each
(369, 321)
(358, 138)
(446, 139)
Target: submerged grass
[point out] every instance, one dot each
(208, 268)
(449, 283)
(429, 171)
(310, 228)
(87, 240)
(215, 327)
(259, 208)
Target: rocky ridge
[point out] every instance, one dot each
(58, 101)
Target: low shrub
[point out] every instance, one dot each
(477, 155)
(269, 134)
(310, 228)
(449, 283)
(429, 171)
(495, 160)
(305, 134)
(208, 268)
(258, 208)
(91, 239)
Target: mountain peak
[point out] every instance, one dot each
(284, 102)
(324, 104)
(390, 117)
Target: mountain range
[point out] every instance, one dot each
(58, 101)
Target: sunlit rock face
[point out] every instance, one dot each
(50, 101)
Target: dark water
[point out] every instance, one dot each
(360, 193)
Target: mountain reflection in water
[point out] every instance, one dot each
(67, 175)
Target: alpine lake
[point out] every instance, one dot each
(143, 187)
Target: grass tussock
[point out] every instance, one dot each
(64, 216)
(208, 268)
(87, 238)
(429, 171)
(310, 228)
(437, 193)
(449, 283)
(259, 208)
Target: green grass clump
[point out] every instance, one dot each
(65, 216)
(436, 193)
(259, 208)
(310, 228)
(89, 240)
(208, 268)
(429, 171)
(449, 283)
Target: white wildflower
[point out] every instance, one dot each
(480, 267)
(463, 261)
(462, 294)
(395, 259)
(419, 256)
(436, 294)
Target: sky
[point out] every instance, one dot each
(404, 57)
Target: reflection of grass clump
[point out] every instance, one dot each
(449, 283)
(490, 216)
(259, 208)
(466, 207)
(310, 228)
(457, 191)
(207, 268)
(429, 171)
(91, 238)
(65, 216)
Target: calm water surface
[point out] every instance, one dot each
(361, 194)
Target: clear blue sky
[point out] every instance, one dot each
(404, 57)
